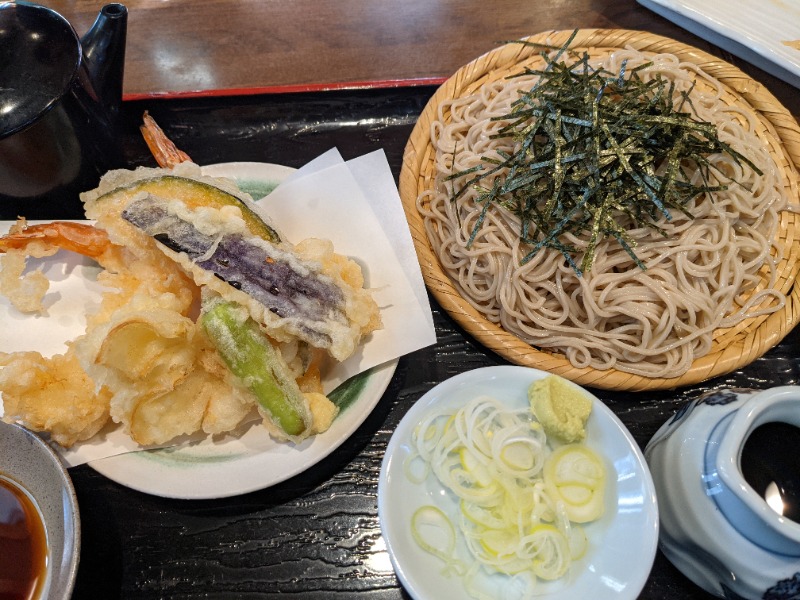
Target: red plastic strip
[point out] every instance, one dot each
(288, 89)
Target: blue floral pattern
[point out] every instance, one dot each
(711, 398)
(682, 411)
(786, 589)
(718, 398)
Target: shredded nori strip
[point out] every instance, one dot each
(593, 146)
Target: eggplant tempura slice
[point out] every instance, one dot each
(295, 293)
(303, 291)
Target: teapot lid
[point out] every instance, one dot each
(39, 56)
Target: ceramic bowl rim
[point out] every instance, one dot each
(61, 588)
(729, 455)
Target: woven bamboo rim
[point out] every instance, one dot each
(732, 348)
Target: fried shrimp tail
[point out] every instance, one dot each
(162, 148)
(77, 237)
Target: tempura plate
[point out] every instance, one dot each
(212, 467)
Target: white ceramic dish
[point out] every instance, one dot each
(213, 467)
(622, 543)
(32, 464)
(763, 32)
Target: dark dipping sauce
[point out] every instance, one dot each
(771, 455)
(23, 544)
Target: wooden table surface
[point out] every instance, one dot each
(182, 47)
(282, 81)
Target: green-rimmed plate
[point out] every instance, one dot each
(232, 465)
(213, 467)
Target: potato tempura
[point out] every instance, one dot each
(143, 362)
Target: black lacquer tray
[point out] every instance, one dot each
(315, 536)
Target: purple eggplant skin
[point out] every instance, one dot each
(249, 264)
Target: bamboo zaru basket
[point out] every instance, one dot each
(732, 348)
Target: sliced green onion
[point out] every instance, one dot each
(435, 534)
(519, 500)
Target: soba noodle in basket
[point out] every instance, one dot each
(709, 272)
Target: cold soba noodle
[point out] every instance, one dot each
(705, 273)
